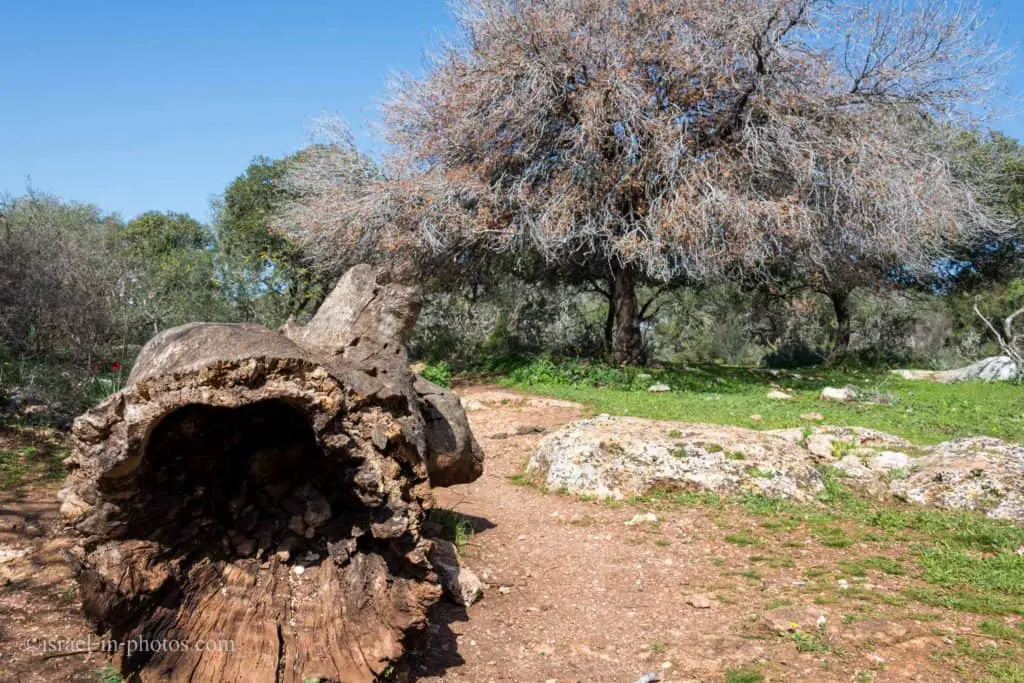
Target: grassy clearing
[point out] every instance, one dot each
(954, 561)
(30, 456)
(933, 566)
(923, 412)
(961, 560)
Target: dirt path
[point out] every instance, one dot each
(575, 594)
(39, 610)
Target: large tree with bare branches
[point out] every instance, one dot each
(669, 141)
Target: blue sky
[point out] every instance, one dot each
(157, 105)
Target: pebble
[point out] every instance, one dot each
(644, 518)
(777, 395)
(699, 601)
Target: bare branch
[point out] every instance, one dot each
(1007, 341)
(690, 140)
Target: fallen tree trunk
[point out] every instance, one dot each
(249, 506)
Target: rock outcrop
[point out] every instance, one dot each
(992, 369)
(980, 473)
(620, 457)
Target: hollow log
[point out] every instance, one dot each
(249, 506)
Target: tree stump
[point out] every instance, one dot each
(249, 506)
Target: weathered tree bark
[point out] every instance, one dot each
(609, 321)
(627, 341)
(841, 305)
(258, 496)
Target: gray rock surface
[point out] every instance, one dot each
(620, 457)
(777, 395)
(835, 394)
(991, 369)
(890, 460)
(980, 473)
(460, 583)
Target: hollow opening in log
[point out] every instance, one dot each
(252, 481)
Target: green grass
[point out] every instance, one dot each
(961, 561)
(108, 674)
(454, 527)
(742, 538)
(744, 675)
(860, 567)
(923, 412)
(30, 464)
(678, 497)
(834, 537)
(13, 468)
(521, 479)
(810, 642)
(1006, 672)
(947, 567)
(438, 373)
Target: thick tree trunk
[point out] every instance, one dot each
(627, 341)
(841, 304)
(249, 507)
(609, 321)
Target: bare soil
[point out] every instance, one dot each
(574, 593)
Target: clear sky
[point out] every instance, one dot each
(154, 104)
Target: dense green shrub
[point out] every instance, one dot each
(439, 373)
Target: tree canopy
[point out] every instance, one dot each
(266, 275)
(672, 141)
(166, 274)
(55, 283)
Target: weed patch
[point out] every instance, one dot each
(454, 527)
